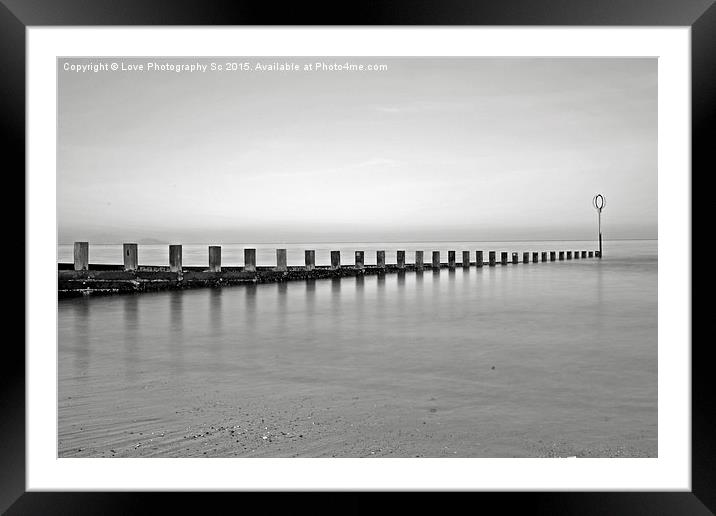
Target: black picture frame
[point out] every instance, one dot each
(17, 15)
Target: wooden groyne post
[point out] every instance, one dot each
(250, 260)
(419, 264)
(81, 256)
(214, 258)
(503, 258)
(174, 258)
(400, 259)
(335, 260)
(515, 259)
(535, 257)
(436, 259)
(552, 256)
(478, 258)
(310, 259)
(281, 262)
(544, 256)
(561, 255)
(360, 259)
(131, 258)
(465, 259)
(451, 259)
(491, 258)
(380, 259)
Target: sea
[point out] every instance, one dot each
(555, 359)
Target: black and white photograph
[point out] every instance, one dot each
(343, 250)
(389, 257)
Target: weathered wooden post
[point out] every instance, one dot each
(400, 259)
(478, 258)
(215, 258)
(591, 254)
(576, 255)
(465, 259)
(436, 259)
(335, 259)
(561, 255)
(419, 264)
(281, 262)
(380, 259)
(360, 259)
(175, 258)
(451, 259)
(81, 255)
(249, 260)
(503, 258)
(597, 254)
(535, 257)
(515, 258)
(491, 258)
(552, 256)
(310, 257)
(130, 257)
(584, 254)
(544, 256)
(569, 255)
(525, 257)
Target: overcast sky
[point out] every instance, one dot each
(429, 149)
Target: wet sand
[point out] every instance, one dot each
(217, 425)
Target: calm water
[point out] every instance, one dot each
(547, 359)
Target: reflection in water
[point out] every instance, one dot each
(281, 307)
(380, 301)
(310, 296)
(336, 286)
(419, 276)
(380, 284)
(400, 293)
(401, 280)
(599, 314)
(131, 333)
(250, 294)
(309, 307)
(176, 331)
(81, 326)
(360, 295)
(216, 329)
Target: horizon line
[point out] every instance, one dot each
(377, 241)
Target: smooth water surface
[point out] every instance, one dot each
(545, 359)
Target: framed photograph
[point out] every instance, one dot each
(416, 253)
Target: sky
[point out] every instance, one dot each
(425, 149)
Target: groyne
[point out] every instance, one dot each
(82, 278)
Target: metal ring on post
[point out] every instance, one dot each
(599, 202)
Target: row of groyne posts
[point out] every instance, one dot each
(83, 278)
(131, 258)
